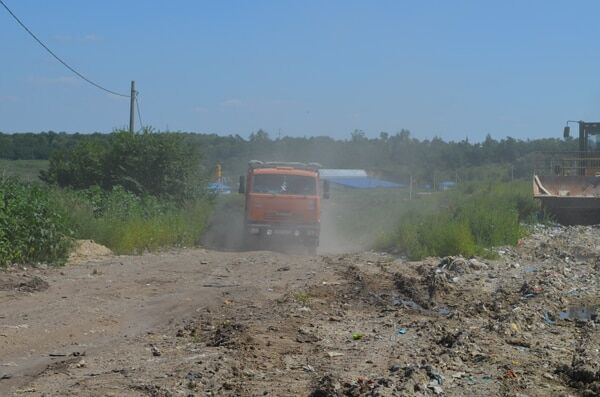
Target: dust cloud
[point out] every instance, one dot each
(333, 240)
(351, 221)
(225, 231)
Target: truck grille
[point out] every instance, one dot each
(282, 216)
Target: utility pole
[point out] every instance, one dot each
(132, 107)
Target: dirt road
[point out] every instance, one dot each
(198, 322)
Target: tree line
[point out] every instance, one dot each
(392, 156)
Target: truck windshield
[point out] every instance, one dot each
(284, 184)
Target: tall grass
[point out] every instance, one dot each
(467, 221)
(129, 224)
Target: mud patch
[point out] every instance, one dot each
(583, 373)
(582, 376)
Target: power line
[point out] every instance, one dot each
(56, 56)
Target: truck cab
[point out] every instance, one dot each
(282, 204)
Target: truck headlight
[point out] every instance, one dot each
(254, 230)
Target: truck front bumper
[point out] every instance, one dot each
(308, 233)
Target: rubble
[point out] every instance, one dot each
(522, 324)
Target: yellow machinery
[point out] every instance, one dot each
(568, 183)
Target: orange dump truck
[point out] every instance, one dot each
(283, 204)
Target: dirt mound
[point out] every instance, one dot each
(87, 250)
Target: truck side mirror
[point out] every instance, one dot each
(566, 132)
(325, 189)
(242, 187)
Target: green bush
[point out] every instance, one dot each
(32, 227)
(147, 163)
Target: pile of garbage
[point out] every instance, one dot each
(524, 323)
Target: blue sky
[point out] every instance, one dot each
(439, 68)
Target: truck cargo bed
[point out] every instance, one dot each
(571, 200)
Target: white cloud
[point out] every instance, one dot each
(232, 103)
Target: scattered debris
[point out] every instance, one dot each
(524, 323)
(224, 334)
(305, 336)
(155, 351)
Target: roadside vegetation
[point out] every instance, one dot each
(131, 224)
(130, 192)
(468, 220)
(33, 226)
(145, 191)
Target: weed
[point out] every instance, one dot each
(302, 297)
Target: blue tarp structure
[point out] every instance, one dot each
(445, 185)
(220, 188)
(362, 182)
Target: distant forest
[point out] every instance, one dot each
(392, 156)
